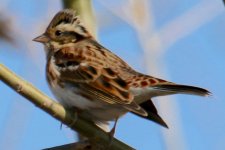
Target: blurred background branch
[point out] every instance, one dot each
(84, 10)
(5, 29)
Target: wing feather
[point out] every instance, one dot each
(98, 81)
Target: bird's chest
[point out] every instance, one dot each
(67, 95)
(70, 95)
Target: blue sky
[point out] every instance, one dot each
(195, 58)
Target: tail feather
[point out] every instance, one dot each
(182, 89)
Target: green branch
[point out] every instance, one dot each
(92, 132)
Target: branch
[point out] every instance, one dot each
(92, 132)
(74, 146)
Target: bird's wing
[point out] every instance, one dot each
(152, 113)
(99, 81)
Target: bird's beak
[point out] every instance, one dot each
(42, 38)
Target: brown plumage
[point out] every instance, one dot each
(84, 74)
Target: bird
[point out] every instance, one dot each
(85, 75)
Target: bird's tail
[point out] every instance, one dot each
(181, 89)
(168, 89)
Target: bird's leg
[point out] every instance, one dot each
(75, 113)
(75, 116)
(112, 131)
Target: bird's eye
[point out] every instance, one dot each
(58, 32)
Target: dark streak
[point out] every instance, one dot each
(106, 84)
(87, 75)
(67, 64)
(72, 63)
(109, 71)
(63, 19)
(92, 69)
(144, 83)
(152, 81)
(61, 65)
(124, 94)
(120, 82)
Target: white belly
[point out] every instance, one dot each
(69, 98)
(98, 110)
